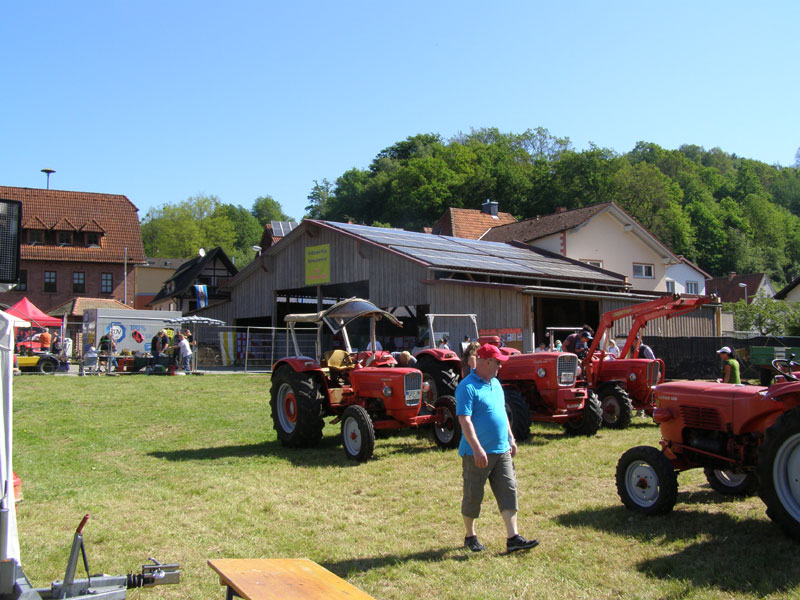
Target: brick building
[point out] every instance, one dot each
(75, 244)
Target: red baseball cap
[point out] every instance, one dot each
(491, 351)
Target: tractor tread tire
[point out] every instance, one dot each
(519, 414)
(592, 418)
(781, 443)
(747, 487)
(444, 378)
(616, 393)
(662, 469)
(308, 425)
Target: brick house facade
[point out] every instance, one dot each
(75, 244)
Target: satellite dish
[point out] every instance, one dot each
(201, 252)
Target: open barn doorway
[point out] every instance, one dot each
(563, 312)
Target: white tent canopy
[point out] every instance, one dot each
(9, 540)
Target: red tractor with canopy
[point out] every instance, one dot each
(364, 391)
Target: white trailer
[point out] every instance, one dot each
(131, 329)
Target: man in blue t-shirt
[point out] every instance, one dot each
(487, 447)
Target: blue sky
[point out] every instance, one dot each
(161, 101)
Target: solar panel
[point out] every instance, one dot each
(282, 228)
(460, 253)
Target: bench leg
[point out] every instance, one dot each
(230, 594)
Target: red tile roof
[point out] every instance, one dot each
(111, 214)
(729, 290)
(534, 229)
(469, 223)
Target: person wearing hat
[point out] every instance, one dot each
(730, 366)
(582, 347)
(487, 447)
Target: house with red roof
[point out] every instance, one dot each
(734, 287)
(602, 235)
(470, 223)
(75, 244)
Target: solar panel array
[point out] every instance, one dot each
(282, 228)
(474, 255)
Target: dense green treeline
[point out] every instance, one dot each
(723, 212)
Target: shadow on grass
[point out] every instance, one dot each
(328, 452)
(713, 550)
(345, 568)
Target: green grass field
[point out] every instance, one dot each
(189, 468)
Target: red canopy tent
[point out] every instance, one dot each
(25, 309)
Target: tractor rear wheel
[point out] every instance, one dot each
(358, 434)
(446, 429)
(590, 420)
(47, 365)
(779, 472)
(296, 408)
(442, 380)
(646, 481)
(519, 414)
(617, 407)
(730, 483)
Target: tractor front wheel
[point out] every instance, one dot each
(730, 483)
(296, 408)
(590, 419)
(519, 414)
(779, 472)
(446, 429)
(646, 481)
(47, 365)
(617, 407)
(358, 434)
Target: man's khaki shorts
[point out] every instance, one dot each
(502, 480)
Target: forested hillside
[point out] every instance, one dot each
(723, 212)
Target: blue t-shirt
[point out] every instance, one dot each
(485, 402)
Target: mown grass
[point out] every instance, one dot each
(188, 468)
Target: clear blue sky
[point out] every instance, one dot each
(160, 101)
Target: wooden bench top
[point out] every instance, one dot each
(282, 578)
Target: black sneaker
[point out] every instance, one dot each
(471, 542)
(520, 543)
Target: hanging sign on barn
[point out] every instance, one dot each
(318, 264)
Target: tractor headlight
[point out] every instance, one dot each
(426, 387)
(541, 372)
(387, 391)
(632, 376)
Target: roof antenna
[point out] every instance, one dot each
(48, 171)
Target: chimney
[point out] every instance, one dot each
(489, 207)
(731, 275)
(561, 209)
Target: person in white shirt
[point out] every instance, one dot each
(377, 345)
(612, 349)
(185, 352)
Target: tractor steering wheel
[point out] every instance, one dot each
(784, 367)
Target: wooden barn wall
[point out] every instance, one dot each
(699, 323)
(495, 308)
(393, 280)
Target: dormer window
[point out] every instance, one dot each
(35, 237)
(64, 238)
(93, 239)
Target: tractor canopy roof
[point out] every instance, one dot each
(340, 314)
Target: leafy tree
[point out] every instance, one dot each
(766, 315)
(318, 199)
(266, 209)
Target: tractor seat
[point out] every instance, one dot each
(338, 359)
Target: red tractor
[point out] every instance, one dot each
(542, 387)
(365, 391)
(441, 367)
(745, 438)
(626, 384)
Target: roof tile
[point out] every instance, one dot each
(469, 223)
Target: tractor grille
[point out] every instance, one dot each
(701, 418)
(566, 369)
(412, 386)
(653, 373)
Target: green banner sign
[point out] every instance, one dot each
(318, 264)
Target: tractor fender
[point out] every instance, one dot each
(299, 364)
(439, 355)
(787, 393)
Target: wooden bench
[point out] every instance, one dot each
(281, 579)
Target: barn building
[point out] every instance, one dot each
(516, 290)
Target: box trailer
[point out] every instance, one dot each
(131, 329)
